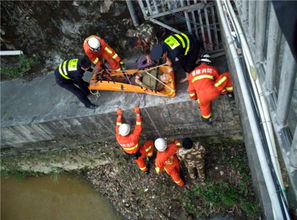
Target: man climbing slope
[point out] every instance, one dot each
(167, 159)
(130, 141)
(69, 76)
(97, 50)
(205, 85)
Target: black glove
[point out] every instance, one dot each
(123, 65)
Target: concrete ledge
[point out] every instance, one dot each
(39, 113)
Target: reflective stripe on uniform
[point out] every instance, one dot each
(131, 148)
(220, 81)
(178, 144)
(157, 169)
(229, 89)
(150, 154)
(142, 168)
(181, 39)
(148, 149)
(114, 56)
(138, 123)
(192, 94)
(119, 123)
(206, 116)
(178, 181)
(188, 43)
(62, 70)
(96, 60)
(108, 50)
(202, 77)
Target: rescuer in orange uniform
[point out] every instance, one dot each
(167, 159)
(129, 141)
(205, 85)
(96, 49)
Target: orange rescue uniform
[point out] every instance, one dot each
(105, 52)
(205, 85)
(168, 160)
(130, 143)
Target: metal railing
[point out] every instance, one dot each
(195, 17)
(264, 59)
(277, 71)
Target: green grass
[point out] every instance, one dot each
(20, 68)
(219, 195)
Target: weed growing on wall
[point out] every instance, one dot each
(20, 68)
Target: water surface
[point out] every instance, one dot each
(62, 198)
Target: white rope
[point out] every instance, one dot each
(153, 123)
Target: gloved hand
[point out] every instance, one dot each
(123, 65)
(137, 110)
(119, 112)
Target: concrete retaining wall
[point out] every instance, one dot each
(38, 114)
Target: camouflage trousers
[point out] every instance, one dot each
(197, 169)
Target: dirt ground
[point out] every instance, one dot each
(227, 191)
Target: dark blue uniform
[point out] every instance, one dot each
(182, 48)
(69, 76)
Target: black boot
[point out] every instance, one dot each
(207, 120)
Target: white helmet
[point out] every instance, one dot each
(124, 129)
(205, 58)
(161, 144)
(94, 43)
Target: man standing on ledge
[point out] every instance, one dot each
(69, 76)
(97, 49)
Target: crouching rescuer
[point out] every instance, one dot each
(69, 76)
(130, 141)
(166, 159)
(205, 85)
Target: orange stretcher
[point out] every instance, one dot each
(111, 85)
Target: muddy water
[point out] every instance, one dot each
(47, 198)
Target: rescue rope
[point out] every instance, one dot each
(157, 80)
(153, 123)
(97, 93)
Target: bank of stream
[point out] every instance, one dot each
(227, 191)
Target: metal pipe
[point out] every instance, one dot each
(261, 11)
(259, 96)
(215, 28)
(273, 42)
(132, 13)
(164, 25)
(207, 25)
(180, 9)
(276, 206)
(251, 27)
(194, 20)
(156, 7)
(202, 29)
(10, 52)
(187, 18)
(287, 81)
(142, 9)
(148, 7)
